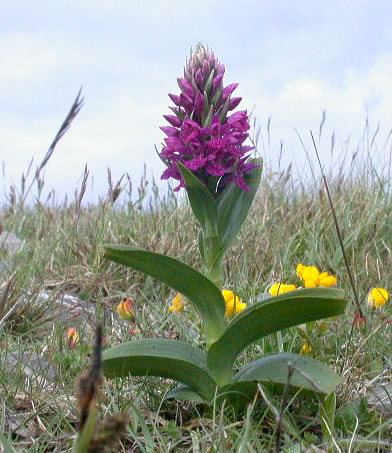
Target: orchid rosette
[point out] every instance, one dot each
(205, 150)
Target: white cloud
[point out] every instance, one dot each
(298, 103)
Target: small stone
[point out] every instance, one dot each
(17, 426)
(32, 365)
(263, 296)
(10, 243)
(71, 311)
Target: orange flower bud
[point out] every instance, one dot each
(125, 309)
(72, 337)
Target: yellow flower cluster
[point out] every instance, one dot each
(306, 349)
(281, 288)
(177, 304)
(312, 277)
(378, 297)
(234, 304)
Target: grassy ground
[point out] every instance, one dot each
(289, 223)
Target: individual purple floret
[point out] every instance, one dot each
(202, 135)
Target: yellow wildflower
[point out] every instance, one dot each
(327, 280)
(378, 297)
(234, 304)
(72, 337)
(306, 349)
(312, 277)
(280, 288)
(177, 304)
(125, 309)
(300, 269)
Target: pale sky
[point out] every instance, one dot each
(292, 58)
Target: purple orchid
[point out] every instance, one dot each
(202, 135)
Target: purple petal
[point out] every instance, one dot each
(240, 181)
(234, 103)
(185, 86)
(249, 166)
(205, 69)
(199, 78)
(186, 101)
(173, 120)
(196, 163)
(217, 81)
(173, 142)
(240, 116)
(227, 91)
(199, 103)
(170, 172)
(176, 99)
(169, 130)
(246, 149)
(215, 169)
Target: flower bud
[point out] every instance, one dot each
(359, 320)
(125, 309)
(72, 337)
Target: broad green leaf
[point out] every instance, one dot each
(170, 359)
(185, 393)
(234, 205)
(269, 316)
(203, 204)
(308, 374)
(201, 292)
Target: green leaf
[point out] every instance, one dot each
(269, 316)
(234, 205)
(201, 292)
(170, 359)
(203, 204)
(185, 393)
(308, 374)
